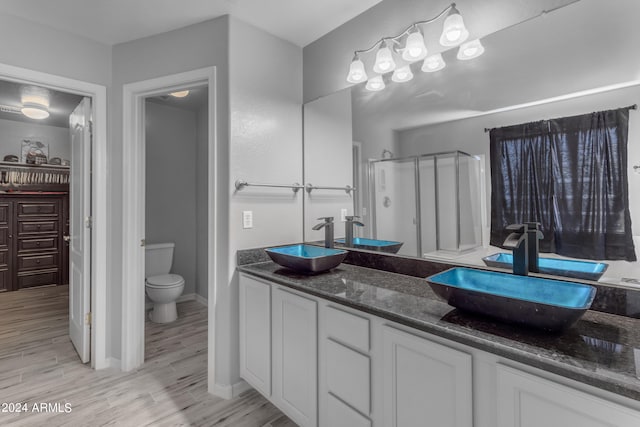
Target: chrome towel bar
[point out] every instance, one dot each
(348, 189)
(240, 184)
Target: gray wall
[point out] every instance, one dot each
(171, 146)
(13, 132)
(197, 46)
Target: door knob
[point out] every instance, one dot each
(66, 238)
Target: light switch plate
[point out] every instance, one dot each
(247, 219)
(343, 214)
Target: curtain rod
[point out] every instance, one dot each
(630, 107)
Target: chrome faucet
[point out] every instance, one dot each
(517, 241)
(533, 247)
(328, 230)
(349, 223)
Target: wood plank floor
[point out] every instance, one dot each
(39, 365)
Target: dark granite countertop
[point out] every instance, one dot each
(600, 349)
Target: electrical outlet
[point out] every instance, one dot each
(343, 215)
(247, 219)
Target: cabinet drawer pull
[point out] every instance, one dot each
(37, 243)
(37, 261)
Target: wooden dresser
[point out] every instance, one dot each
(34, 223)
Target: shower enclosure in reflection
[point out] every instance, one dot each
(431, 202)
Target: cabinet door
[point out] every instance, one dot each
(525, 400)
(255, 333)
(425, 383)
(6, 246)
(295, 356)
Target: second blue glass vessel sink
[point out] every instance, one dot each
(548, 304)
(588, 270)
(374, 244)
(307, 258)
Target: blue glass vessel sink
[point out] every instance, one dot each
(374, 245)
(307, 258)
(552, 305)
(588, 270)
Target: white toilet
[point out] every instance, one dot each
(163, 289)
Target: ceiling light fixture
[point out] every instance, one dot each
(35, 102)
(389, 49)
(180, 94)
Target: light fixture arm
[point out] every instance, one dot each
(396, 39)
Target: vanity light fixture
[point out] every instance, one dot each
(390, 49)
(470, 50)
(375, 84)
(180, 94)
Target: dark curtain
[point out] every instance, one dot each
(570, 175)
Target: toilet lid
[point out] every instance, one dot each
(164, 280)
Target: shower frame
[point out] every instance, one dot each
(416, 161)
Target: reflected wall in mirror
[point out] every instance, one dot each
(539, 69)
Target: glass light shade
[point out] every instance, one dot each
(180, 94)
(402, 74)
(34, 111)
(357, 74)
(414, 49)
(470, 50)
(375, 84)
(384, 60)
(433, 63)
(453, 31)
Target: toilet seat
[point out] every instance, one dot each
(165, 281)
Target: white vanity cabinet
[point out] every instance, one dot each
(278, 347)
(425, 383)
(255, 333)
(526, 400)
(295, 353)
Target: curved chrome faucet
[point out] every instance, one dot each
(328, 230)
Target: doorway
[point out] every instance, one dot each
(134, 238)
(92, 286)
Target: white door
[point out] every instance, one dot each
(80, 232)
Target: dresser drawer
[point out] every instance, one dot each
(39, 209)
(39, 244)
(38, 279)
(348, 328)
(37, 262)
(36, 227)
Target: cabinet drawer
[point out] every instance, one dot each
(36, 262)
(38, 279)
(348, 328)
(340, 415)
(349, 376)
(30, 209)
(4, 213)
(35, 227)
(41, 244)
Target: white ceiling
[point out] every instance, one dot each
(117, 21)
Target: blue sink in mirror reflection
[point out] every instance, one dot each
(374, 244)
(589, 270)
(307, 258)
(549, 304)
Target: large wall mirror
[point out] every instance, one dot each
(418, 154)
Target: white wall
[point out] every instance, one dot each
(171, 145)
(265, 97)
(13, 132)
(328, 161)
(202, 196)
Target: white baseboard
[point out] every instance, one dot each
(229, 391)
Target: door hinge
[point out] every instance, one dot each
(87, 318)
(88, 222)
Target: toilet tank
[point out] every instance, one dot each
(158, 258)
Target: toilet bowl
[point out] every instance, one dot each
(162, 287)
